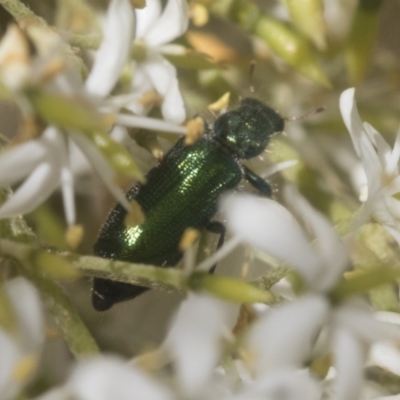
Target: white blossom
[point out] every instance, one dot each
(284, 337)
(380, 163)
(193, 345)
(278, 385)
(267, 225)
(194, 341)
(20, 351)
(155, 29)
(109, 377)
(45, 163)
(118, 32)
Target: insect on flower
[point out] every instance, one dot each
(182, 192)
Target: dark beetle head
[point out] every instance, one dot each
(247, 130)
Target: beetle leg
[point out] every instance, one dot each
(257, 182)
(216, 227)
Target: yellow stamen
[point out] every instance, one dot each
(221, 103)
(150, 99)
(74, 236)
(198, 13)
(195, 130)
(135, 216)
(188, 238)
(25, 368)
(138, 3)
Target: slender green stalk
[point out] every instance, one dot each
(18, 243)
(80, 341)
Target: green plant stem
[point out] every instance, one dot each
(364, 282)
(91, 42)
(153, 277)
(80, 341)
(143, 274)
(18, 242)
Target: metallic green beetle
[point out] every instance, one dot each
(182, 191)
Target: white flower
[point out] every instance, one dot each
(284, 337)
(154, 72)
(20, 351)
(267, 225)
(194, 341)
(278, 385)
(109, 377)
(119, 32)
(14, 59)
(380, 163)
(46, 162)
(193, 345)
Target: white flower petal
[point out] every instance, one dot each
(42, 181)
(163, 77)
(119, 32)
(34, 191)
(267, 225)
(393, 161)
(278, 168)
(101, 166)
(108, 378)
(351, 117)
(67, 187)
(279, 385)
(387, 356)
(60, 393)
(140, 85)
(283, 337)
(372, 167)
(194, 339)
(387, 210)
(361, 142)
(19, 162)
(359, 320)
(382, 147)
(149, 123)
(172, 23)
(28, 309)
(10, 355)
(147, 17)
(173, 108)
(394, 231)
(330, 247)
(394, 186)
(350, 355)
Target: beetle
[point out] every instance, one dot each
(182, 191)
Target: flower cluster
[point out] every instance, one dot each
(46, 162)
(313, 333)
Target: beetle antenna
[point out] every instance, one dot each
(307, 115)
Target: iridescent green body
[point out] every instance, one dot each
(182, 192)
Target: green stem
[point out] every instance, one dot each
(23, 249)
(91, 42)
(79, 340)
(143, 274)
(169, 279)
(364, 282)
